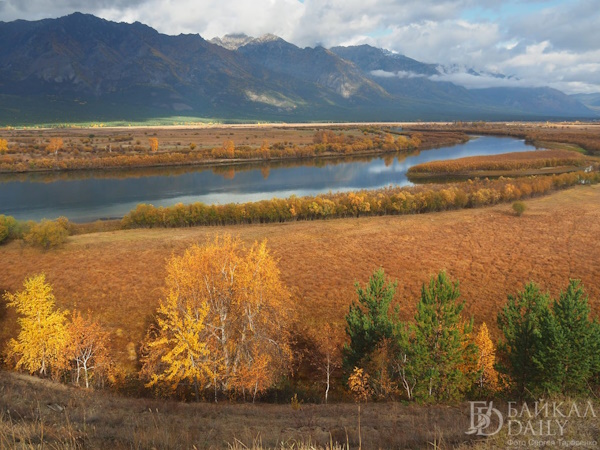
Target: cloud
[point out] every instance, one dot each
(41, 9)
(447, 41)
(471, 81)
(398, 74)
(569, 26)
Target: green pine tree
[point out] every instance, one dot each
(547, 356)
(595, 352)
(568, 352)
(440, 347)
(368, 320)
(521, 321)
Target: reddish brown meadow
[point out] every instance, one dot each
(119, 275)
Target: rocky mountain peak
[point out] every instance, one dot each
(232, 41)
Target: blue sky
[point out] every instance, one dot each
(537, 42)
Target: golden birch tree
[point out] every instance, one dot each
(177, 352)
(224, 323)
(358, 382)
(88, 349)
(328, 341)
(43, 339)
(488, 377)
(55, 145)
(153, 144)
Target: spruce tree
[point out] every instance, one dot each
(521, 321)
(368, 320)
(595, 352)
(568, 349)
(440, 342)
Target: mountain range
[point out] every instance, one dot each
(82, 68)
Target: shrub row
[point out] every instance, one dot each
(45, 234)
(391, 200)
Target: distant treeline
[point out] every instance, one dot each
(386, 201)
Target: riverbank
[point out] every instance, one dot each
(580, 136)
(540, 162)
(55, 150)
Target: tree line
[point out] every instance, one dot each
(546, 346)
(386, 201)
(226, 329)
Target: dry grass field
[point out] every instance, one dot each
(169, 137)
(36, 413)
(30, 414)
(119, 275)
(60, 149)
(507, 164)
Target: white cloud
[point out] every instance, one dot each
(447, 41)
(471, 81)
(398, 74)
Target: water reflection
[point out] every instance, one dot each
(84, 196)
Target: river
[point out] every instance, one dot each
(84, 197)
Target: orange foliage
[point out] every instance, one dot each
(55, 145)
(507, 161)
(488, 377)
(153, 144)
(328, 341)
(88, 349)
(391, 200)
(224, 324)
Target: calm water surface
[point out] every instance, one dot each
(86, 197)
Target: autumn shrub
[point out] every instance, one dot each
(9, 228)
(47, 234)
(519, 208)
(386, 201)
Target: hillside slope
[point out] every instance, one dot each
(82, 68)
